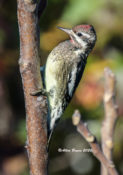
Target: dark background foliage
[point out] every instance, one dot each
(106, 16)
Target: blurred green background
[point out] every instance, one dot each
(107, 18)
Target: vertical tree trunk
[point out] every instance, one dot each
(30, 72)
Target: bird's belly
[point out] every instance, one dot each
(56, 81)
(50, 80)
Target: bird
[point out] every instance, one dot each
(64, 69)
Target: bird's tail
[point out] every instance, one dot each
(54, 115)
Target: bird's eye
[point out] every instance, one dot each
(79, 34)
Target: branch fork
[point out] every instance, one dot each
(104, 155)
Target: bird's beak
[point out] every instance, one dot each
(68, 31)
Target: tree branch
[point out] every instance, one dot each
(90, 138)
(36, 110)
(111, 115)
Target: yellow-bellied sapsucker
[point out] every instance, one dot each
(64, 69)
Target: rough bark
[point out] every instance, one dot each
(36, 109)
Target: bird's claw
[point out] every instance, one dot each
(39, 92)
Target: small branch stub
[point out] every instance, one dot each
(76, 118)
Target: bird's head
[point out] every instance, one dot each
(82, 36)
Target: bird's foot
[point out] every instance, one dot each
(39, 92)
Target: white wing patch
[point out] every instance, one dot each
(71, 84)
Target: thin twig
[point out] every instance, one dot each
(111, 115)
(36, 110)
(91, 139)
